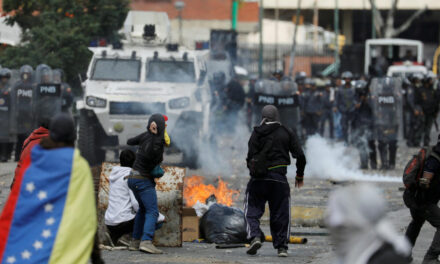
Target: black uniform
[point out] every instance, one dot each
(327, 114)
(363, 132)
(22, 93)
(313, 107)
(423, 207)
(345, 101)
(428, 98)
(274, 188)
(235, 100)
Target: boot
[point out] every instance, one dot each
(125, 240)
(282, 253)
(148, 247)
(134, 245)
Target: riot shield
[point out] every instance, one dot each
(5, 115)
(47, 95)
(283, 96)
(386, 97)
(22, 93)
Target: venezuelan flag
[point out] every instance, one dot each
(50, 215)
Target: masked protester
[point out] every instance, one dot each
(359, 231)
(268, 158)
(141, 181)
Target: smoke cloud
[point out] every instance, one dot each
(335, 161)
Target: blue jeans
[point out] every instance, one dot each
(146, 217)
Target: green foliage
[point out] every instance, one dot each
(58, 32)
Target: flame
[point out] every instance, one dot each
(195, 190)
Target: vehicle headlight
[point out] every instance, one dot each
(179, 103)
(93, 101)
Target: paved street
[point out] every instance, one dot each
(317, 250)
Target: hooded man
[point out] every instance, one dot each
(359, 231)
(268, 159)
(141, 181)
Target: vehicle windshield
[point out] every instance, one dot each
(171, 71)
(117, 70)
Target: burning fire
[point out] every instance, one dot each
(195, 190)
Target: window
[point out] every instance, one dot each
(117, 70)
(171, 71)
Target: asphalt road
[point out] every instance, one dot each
(313, 197)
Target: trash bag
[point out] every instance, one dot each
(223, 225)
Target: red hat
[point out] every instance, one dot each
(165, 117)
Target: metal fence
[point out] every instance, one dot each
(277, 57)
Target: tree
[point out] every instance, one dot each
(386, 29)
(58, 32)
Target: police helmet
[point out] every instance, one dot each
(300, 76)
(278, 72)
(347, 75)
(309, 81)
(361, 84)
(5, 73)
(417, 77)
(26, 69)
(430, 76)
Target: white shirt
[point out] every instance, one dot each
(122, 205)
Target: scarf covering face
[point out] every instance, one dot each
(355, 217)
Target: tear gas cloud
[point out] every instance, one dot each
(335, 161)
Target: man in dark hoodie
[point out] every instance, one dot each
(271, 142)
(141, 181)
(422, 203)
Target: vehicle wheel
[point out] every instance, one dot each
(88, 141)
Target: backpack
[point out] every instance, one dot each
(414, 168)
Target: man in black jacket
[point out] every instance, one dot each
(141, 182)
(272, 187)
(423, 205)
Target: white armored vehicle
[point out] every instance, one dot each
(124, 87)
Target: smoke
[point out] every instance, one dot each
(335, 161)
(225, 153)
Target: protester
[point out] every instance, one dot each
(422, 201)
(30, 142)
(268, 159)
(122, 205)
(359, 231)
(50, 215)
(141, 181)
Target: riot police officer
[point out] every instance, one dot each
(22, 94)
(47, 95)
(386, 100)
(363, 126)
(417, 117)
(6, 117)
(428, 98)
(328, 101)
(345, 101)
(313, 106)
(66, 91)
